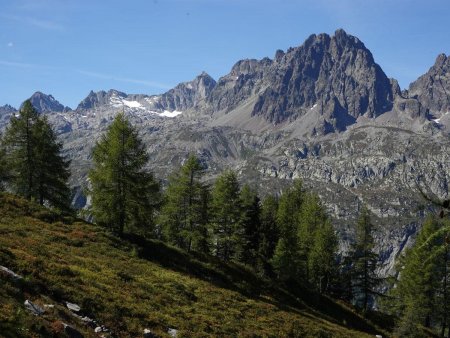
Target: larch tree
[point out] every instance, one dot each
(269, 234)
(286, 260)
(184, 216)
(124, 193)
(225, 217)
(251, 225)
(364, 260)
(421, 293)
(38, 171)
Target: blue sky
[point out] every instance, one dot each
(68, 47)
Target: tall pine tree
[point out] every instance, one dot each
(251, 225)
(37, 168)
(287, 259)
(364, 260)
(184, 215)
(124, 194)
(269, 234)
(225, 217)
(421, 294)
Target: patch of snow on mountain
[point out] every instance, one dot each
(132, 104)
(438, 121)
(167, 113)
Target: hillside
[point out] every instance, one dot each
(134, 284)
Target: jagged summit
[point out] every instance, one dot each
(337, 75)
(44, 103)
(433, 88)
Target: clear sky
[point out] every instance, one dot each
(68, 47)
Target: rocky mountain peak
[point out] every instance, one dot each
(100, 98)
(44, 103)
(335, 74)
(433, 88)
(186, 95)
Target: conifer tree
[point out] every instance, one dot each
(312, 217)
(37, 168)
(184, 214)
(364, 262)
(421, 295)
(251, 225)
(225, 216)
(322, 264)
(269, 233)
(286, 260)
(3, 166)
(124, 194)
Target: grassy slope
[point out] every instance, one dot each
(129, 285)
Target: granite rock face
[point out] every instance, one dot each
(46, 103)
(337, 75)
(433, 88)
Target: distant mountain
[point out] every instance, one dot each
(433, 88)
(337, 76)
(46, 103)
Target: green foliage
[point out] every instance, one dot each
(184, 215)
(363, 261)
(226, 216)
(322, 264)
(133, 283)
(3, 166)
(251, 226)
(33, 153)
(287, 259)
(421, 295)
(124, 194)
(269, 234)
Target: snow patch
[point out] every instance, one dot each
(118, 102)
(167, 113)
(438, 121)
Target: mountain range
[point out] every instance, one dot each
(324, 112)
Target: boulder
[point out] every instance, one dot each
(35, 309)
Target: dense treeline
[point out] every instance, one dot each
(288, 237)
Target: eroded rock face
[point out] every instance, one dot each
(46, 103)
(433, 88)
(337, 74)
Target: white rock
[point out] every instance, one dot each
(172, 332)
(73, 307)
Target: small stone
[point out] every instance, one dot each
(10, 272)
(172, 332)
(73, 307)
(35, 309)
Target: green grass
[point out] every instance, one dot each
(130, 284)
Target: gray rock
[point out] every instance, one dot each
(33, 308)
(73, 307)
(46, 103)
(433, 88)
(10, 272)
(172, 332)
